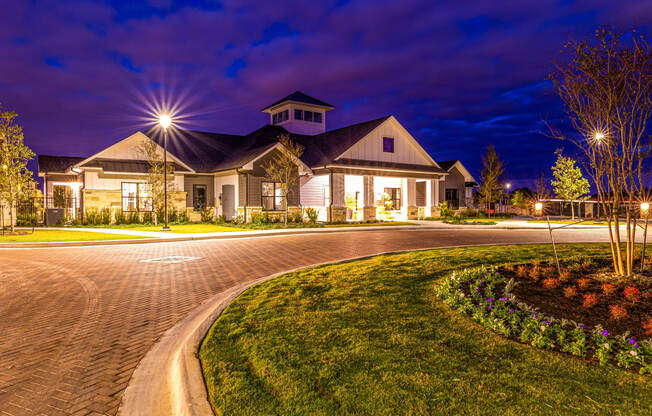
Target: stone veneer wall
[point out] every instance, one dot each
(99, 199)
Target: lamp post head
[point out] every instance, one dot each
(645, 206)
(508, 185)
(598, 136)
(538, 206)
(164, 121)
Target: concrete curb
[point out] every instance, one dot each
(266, 233)
(169, 379)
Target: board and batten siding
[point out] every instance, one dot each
(371, 147)
(190, 180)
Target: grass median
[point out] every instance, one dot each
(54, 236)
(369, 337)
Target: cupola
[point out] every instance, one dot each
(299, 113)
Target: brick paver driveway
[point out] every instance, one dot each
(74, 322)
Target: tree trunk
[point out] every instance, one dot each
(572, 211)
(11, 217)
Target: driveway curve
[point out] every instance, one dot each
(75, 322)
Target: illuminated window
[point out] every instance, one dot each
(136, 197)
(272, 198)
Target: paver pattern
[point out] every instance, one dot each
(75, 322)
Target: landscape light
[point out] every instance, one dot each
(165, 121)
(509, 185)
(598, 136)
(538, 206)
(645, 206)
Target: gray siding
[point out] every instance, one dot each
(190, 180)
(454, 180)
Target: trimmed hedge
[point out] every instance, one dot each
(486, 296)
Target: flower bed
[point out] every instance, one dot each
(487, 296)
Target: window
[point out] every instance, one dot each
(298, 115)
(388, 145)
(272, 198)
(136, 196)
(307, 115)
(274, 118)
(451, 197)
(199, 196)
(316, 117)
(280, 117)
(394, 200)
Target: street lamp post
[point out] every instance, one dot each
(165, 121)
(645, 207)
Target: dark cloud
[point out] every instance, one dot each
(459, 75)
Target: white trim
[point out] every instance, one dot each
(270, 109)
(306, 169)
(403, 130)
(384, 169)
(464, 171)
(137, 134)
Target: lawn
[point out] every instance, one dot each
(42, 236)
(588, 222)
(370, 337)
(186, 228)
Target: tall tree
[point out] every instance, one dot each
(568, 182)
(606, 87)
(16, 181)
(283, 169)
(152, 153)
(491, 189)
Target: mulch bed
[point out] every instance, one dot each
(536, 288)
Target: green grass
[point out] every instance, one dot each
(187, 228)
(370, 338)
(43, 236)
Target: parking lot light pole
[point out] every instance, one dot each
(165, 121)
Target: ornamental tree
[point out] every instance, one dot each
(568, 182)
(490, 189)
(282, 168)
(16, 181)
(606, 87)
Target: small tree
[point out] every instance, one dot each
(519, 199)
(150, 150)
(490, 189)
(16, 181)
(282, 168)
(568, 182)
(606, 88)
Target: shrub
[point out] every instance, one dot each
(535, 273)
(221, 219)
(570, 291)
(259, 219)
(105, 214)
(296, 217)
(92, 217)
(522, 270)
(311, 214)
(583, 283)
(632, 293)
(617, 312)
(172, 214)
(445, 210)
(647, 325)
(565, 275)
(551, 283)
(206, 215)
(148, 218)
(608, 289)
(182, 217)
(120, 217)
(133, 218)
(590, 300)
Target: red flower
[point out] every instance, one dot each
(583, 283)
(648, 326)
(551, 283)
(570, 292)
(608, 289)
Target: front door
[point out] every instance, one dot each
(228, 201)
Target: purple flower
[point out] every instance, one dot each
(477, 290)
(511, 311)
(635, 345)
(490, 307)
(534, 316)
(605, 333)
(484, 274)
(503, 299)
(632, 341)
(547, 322)
(480, 281)
(490, 299)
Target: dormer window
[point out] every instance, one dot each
(388, 145)
(298, 114)
(280, 117)
(316, 117)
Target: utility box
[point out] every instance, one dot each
(54, 216)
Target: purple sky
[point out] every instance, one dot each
(459, 75)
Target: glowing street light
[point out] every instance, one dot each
(165, 121)
(538, 207)
(598, 136)
(645, 208)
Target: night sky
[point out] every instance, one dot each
(459, 75)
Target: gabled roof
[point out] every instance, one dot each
(447, 164)
(57, 164)
(126, 165)
(299, 97)
(326, 147)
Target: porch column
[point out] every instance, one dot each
(412, 210)
(434, 197)
(369, 210)
(338, 206)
